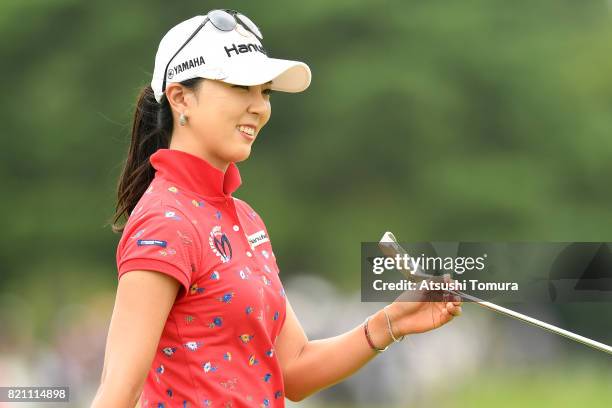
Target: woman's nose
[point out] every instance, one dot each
(258, 101)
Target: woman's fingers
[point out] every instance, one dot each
(456, 299)
(453, 309)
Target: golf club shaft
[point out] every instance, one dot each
(519, 316)
(389, 243)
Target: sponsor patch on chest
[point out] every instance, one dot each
(220, 244)
(258, 238)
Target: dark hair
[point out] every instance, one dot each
(151, 130)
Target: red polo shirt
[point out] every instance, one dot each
(217, 346)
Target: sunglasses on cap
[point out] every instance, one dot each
(224, 20)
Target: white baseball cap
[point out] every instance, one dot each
(227, 47)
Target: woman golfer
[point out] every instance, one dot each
(201, 318)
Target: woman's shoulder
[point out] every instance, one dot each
(248, 213)
(159, 219)
(158, 205)
(244, 206)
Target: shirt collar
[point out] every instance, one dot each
(195, 174)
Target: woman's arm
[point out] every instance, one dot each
(309, 366)
(143, 301)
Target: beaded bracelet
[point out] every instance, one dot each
(367, 334)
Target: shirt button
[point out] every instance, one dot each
(236, 228)
(249, 254)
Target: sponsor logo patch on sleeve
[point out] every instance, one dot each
(156, 242)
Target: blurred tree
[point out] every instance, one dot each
(484, 120)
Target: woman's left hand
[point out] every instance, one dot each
(409, 317)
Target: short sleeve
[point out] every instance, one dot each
(161, 239)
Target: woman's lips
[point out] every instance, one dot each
(246, 135)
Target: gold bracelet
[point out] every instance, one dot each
(389, 326)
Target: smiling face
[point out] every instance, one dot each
(223, 120)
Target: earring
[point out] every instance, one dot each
(182, 119)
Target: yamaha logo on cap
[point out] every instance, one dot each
(170, 73)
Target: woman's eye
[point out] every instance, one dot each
(267, 92)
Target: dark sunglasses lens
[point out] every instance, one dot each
(251, 25)
(222, 20)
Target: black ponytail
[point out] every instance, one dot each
(151, 130)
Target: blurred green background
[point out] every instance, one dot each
(440, 120)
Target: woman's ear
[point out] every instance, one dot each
(178, 97)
